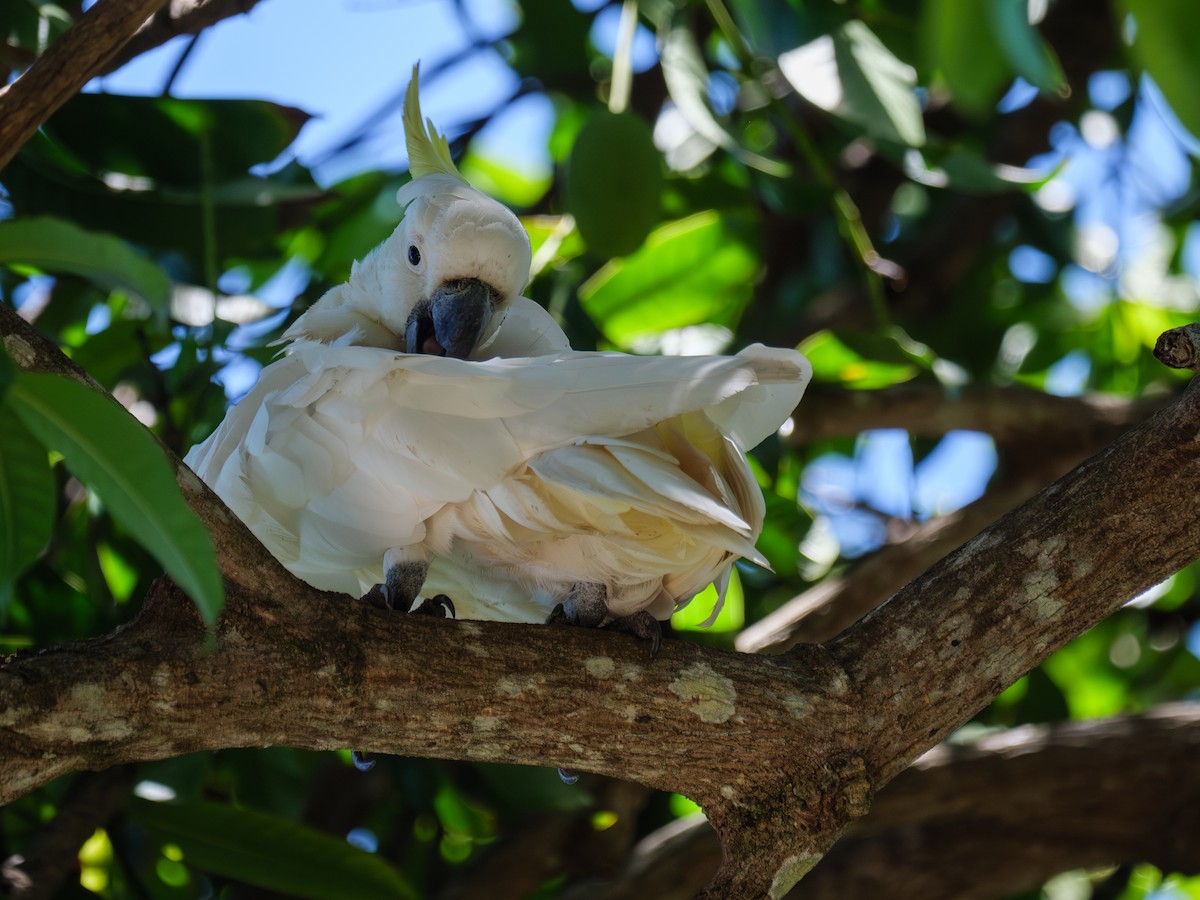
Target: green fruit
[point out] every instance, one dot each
(614, 183)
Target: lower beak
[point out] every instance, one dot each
(453, 320)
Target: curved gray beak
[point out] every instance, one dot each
(452, 320)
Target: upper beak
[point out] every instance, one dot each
(452, 320)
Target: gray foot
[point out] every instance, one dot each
(585, 605)
(401, 584)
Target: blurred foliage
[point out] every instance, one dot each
(934, 191)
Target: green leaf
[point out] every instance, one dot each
(115, 456)
(960, 47)
(693, 270)
(614, 183)
(1165, 41)
(858, 360)
(26, 499)
(158, 138)
(731, 617)
(55, 245)
(270, 852)
(511, 184)
(1027, 52)
(853, 75)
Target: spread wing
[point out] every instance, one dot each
(341, 453)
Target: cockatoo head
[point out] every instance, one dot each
(442, 282)
(465, 258)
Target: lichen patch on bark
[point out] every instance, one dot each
(601, 667)
(710, 695)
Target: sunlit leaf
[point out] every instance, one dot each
(26, 499)
(114, 455)
(852, 74)
(689, 271)
(508, 183)
(861, 360)
(731, 617)
(270, 852)
(54, 245)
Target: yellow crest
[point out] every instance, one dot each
(428, 151)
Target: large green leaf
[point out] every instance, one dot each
(114, 455)
(26, 500)
(1165, 41)
(171, 140)
(960, 48)
(614, 183)
(693, 270)
(249, 212)
(1025, 49)
(270, 852)
(54, 245)
(852, 74)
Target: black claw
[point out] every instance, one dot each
(643, 626)
(439, 607)
(558, 616)
(376, 597)
(361, 762)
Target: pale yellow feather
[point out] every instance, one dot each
(428, 151)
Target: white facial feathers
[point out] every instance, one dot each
(450, 233)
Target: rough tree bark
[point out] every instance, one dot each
(1020, 806)
(783, 752)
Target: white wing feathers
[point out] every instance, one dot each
(518, 476)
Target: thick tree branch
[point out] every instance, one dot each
(66, 66)
(1116, 525)
(782, 751)
(1022, 806)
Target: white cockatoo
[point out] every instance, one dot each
(431, 429)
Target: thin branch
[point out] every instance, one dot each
(176, 18)
(66, 66)
(1179, 348)
(1008, 414)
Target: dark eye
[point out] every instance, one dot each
(414, 255)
